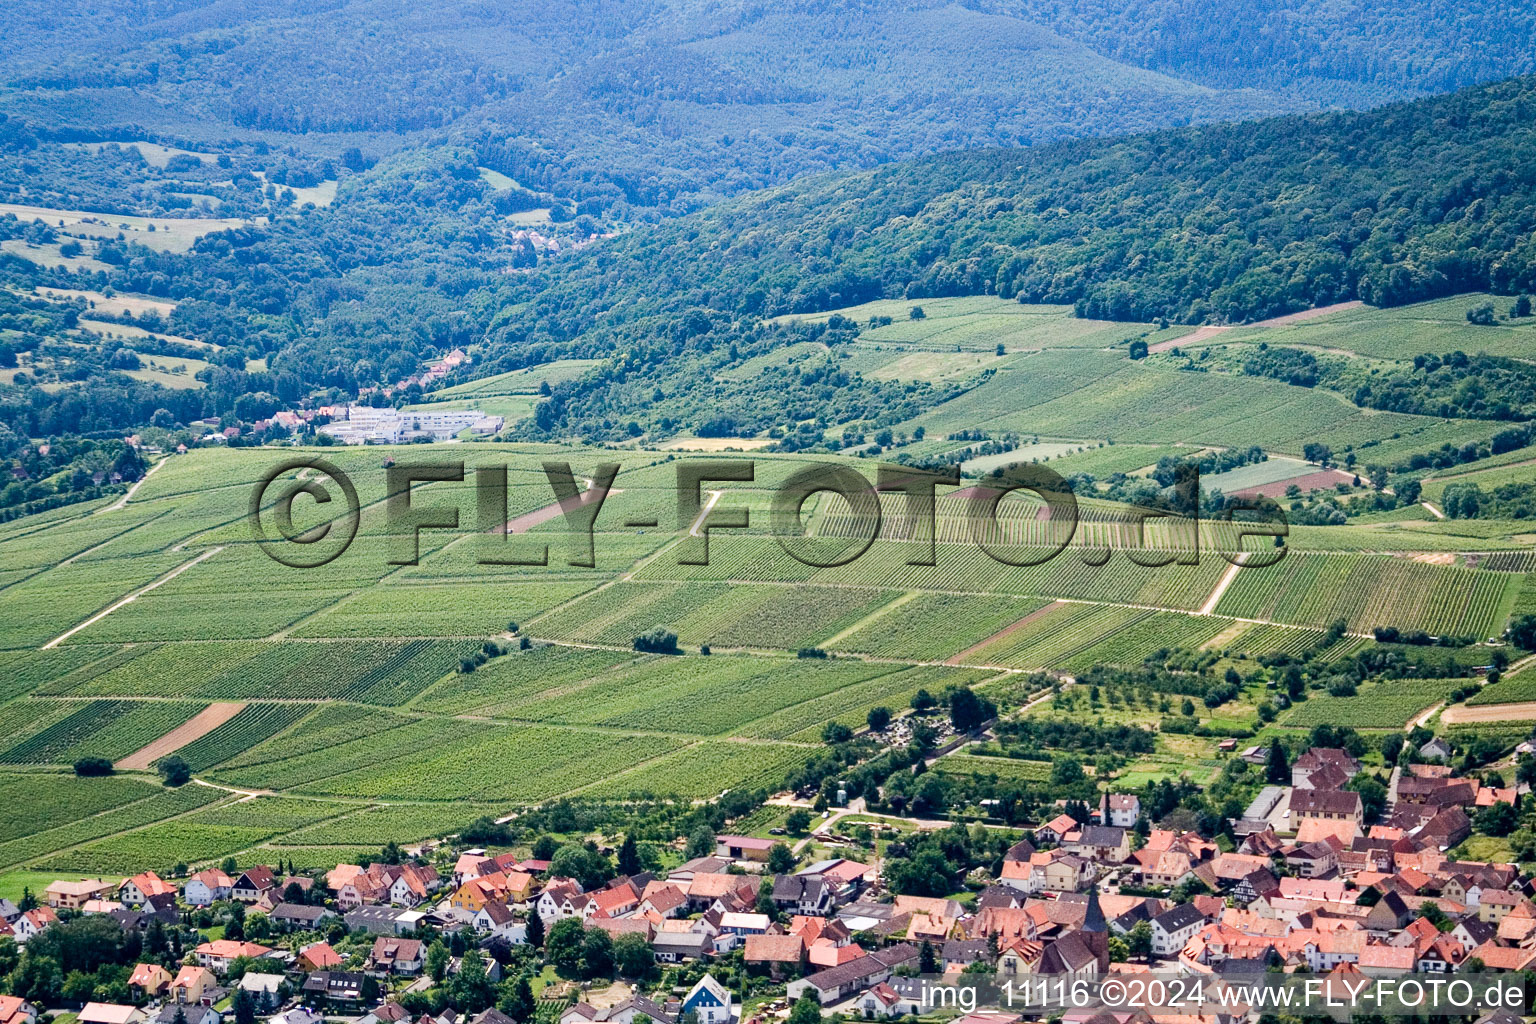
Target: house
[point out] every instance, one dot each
(802, 894)
(1312, 860)
(1122, 810)
(193, 1013)
(262, 985)
(392, 955)
(253, 884)
(498, 921)
(74, 895)
(193, 986)
(377, 920)
(299, 916)
(782, 954)
(148, 981)
(33, 923)
(333, 987)
(673, 947)
(109, 1013)
(318, 956)
(15, 1010)
(1069, 959)
(743, 848)
(1173, 928)
(206, 888)
(709, 1001)
(1104, 843)
(219, 954)
(1435, 750)
(626, 1011)
(1320, 759)
(841, 981)
(1053, 831)
(662, 899)
(1328, 805)
(414, 884)
(138, 890)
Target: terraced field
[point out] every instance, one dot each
(373, 712)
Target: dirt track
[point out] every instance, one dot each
(198, 726)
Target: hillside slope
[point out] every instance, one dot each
(664, 105)
(1215, 223)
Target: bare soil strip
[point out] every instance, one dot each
(198, 726)
(1007, 630)
(1461, 714)
(1196, 336)
(1307, 314)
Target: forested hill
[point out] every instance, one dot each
(645, 107)
(1216, 223)
(1345, 52)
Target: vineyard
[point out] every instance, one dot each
(1006, 769)
(371, 716)
(374, 671)
(1367, 591)
(1388, 704)
(100, 728)
(930, 627)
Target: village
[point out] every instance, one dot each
(743, 931)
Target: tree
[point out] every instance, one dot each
(244, 1007)
(806, 1009)
(1497, 819)
(563, 947)
(633, 957)
(967, 711)
(535, 932)
(1277, 770)
(927, 961)
(798, 820)
(437, 961)
(174, 770)
(834, 733)
(390, 854)
(1139, 349)
(544, 847)
(701, 841)
(916, 313)
(1138, 940)
(1522, 632)
(922, 700)
(597, 954)
(471, 989)
(1481, 314)
(878, 718)
(781, 860)
(519, 1003)
(91, 766)
(588, 867)
(1521, 307)
(629, 857)
(1373, 795)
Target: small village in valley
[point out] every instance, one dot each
(836, 915)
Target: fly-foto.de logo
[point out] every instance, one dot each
(901, 502)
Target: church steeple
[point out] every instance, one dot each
(1095, 931)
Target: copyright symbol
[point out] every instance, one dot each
(340, 531)
(1112, 992)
